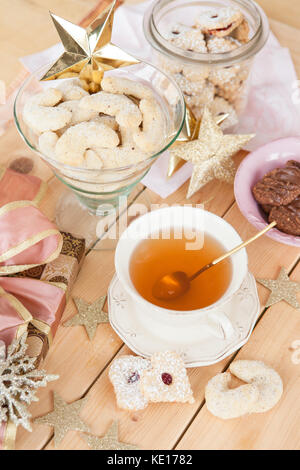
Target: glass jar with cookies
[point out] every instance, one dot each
(208, 47)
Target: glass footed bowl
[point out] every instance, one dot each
(99, 192)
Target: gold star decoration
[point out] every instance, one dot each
(282, 288)
(109, 441)
(88, 46)
(190, 131)
(211, 153)
(89, 315)
(65, 417)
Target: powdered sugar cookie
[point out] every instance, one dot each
(177, 29)
(217, 45)
(107, 120)
(170, 66)
(195, 73)
(191, 41)
(149, 139)
(121, 156)
(79, 114)
(242, 32)
(126, 112)
(40, 114)
(201, 99)
(233, 89)
(124, 374)
(120, 85)
(219, 107)
(72, 145)
(167, 381)
(72, 90)
(266, 379)
(219, 22)
(92, 160)
(189, 87)
(47, 143)
(226, 403)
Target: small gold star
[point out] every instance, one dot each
(89, 315)
(88, 46)
(282, 289)
(211, 153)
(109, 441)
(65, 417)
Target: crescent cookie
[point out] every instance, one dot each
(41, 115)
(126, 112)
(150, 138)
(266, 379)
(124, 374)
(120, 85)
(79, 114)
(219, 22)
(47, 143)
(226, 403)
(121, 156)
(72, 145)
(167, 380)
(72, 90)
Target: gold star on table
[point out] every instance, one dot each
(211, 153)
(109, 441)
(89, 315)
(88, 46)
(65, 417)
(282, 289)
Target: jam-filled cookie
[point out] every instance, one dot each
(167, 380)
(219, 22)
(125, 375)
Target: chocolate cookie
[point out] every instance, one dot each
(287, 217)
(279, 187)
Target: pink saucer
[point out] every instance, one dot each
(254, 167)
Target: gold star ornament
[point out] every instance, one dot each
(282, 288)
(89, 315)
(190, 131)
(65, 417)
(211, 153)
(88, 46)
(109, 441)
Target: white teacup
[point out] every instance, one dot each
(182, 325)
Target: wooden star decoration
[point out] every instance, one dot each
(109, 441)
(282, 288)
(65, 417)
(89, 315)
(211, 153)
(88, 46)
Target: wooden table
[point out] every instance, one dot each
(83, 365)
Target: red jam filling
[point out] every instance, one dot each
(166, 378)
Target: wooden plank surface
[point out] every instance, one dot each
(83, 365)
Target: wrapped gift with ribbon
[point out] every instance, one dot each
(38, 266)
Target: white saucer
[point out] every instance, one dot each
(242, 309)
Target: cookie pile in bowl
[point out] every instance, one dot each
(120, 125)
(100, 140)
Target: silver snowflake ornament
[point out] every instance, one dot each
(19, 380)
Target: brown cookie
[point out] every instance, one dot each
(278, 187)
(287, 217)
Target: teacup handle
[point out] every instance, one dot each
(224, 324)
